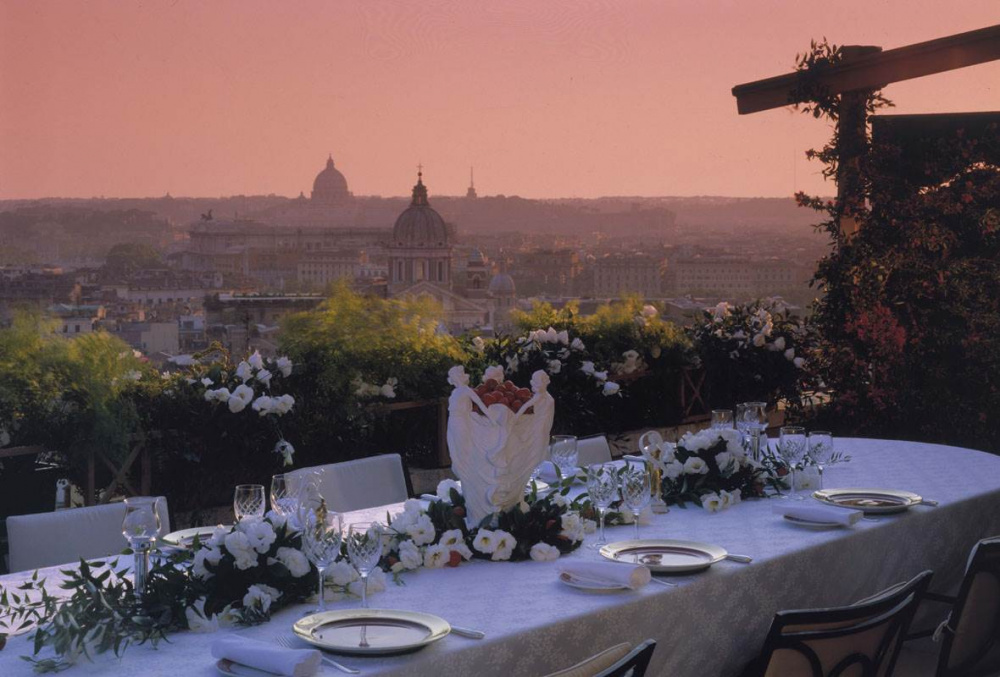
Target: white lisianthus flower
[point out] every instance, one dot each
(601, 375)
(244, 392)
(505, 544)
(260, 597)
(790, 354)
(554, 366)
(256, 361)
(610, 388)
(572, 526)
(218, 537)
(236, 404)
(259, 533)
(673, 470)
(543, 552)
(202, 557)
(375, 583)
(444, 488)
(244, 371)
(198, 620)
(577, 344)
(264, 405)
(798, 362)
(734, 440)
(563, 337)
(409, 555)
(539, 381)
(551, 335)
(695, 466)
(264, 376)
(588, 368)
(759, 340)
(451, 537)
(284, 365)
(341, 573)
(277, 520)
(779, 344)
(207, 382)
(436, 556)
(711, 502)
(730, 498)
(724, 459)
(283, 404)
(388, 390)
(294, 561)
(219, 395)
(485, 541)
(422, 532)
(559, 500)
(494, 372)
(244, 555)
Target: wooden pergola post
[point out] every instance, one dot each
(852, 130)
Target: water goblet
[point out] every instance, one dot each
(562, 448)
(636, 492)
(792, 443)
(821, 450)
(602, 487)
(322, 534)
(722, 419)
(140, 526)
(364, 547)
(248, 501)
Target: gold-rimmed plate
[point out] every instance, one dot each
(875, 501)
(666, 556)
(386, 632)
(184, 538)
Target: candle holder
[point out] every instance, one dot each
(140, 527)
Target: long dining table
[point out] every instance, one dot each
(710, 623)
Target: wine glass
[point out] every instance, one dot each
(636, 492)
(322, 534)
(562, 448)
(792, 441)
(722, 419)
(140, 526)
(751, 420)
(248, 501)
(821, 450)
(364, 547)
(285, 490)
(602, 486)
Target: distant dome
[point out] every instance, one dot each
(477, 258)
(330, 186)
(502, 284)
(420, 225)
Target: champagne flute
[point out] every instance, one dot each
(602, 486)
(322, 534)
(140, 526)
(636, 492)
(248, 501)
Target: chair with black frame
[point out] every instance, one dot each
(617, 661)
(970, 635)
(861, 640)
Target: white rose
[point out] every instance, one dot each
(577, 344)
(294, 561)
(204, 556)
(436, 556)
(587, 368)
(444, 488)
(238, 545)
(284, 366)
(611, 388)
(236, 404)
(244, 392)
(485, 542)
(695, 466)
(494, 372)
(341, 573)
(409, 555)
(505, 544)
(243, 371)
(256, 361)
(283, 404)
(711, 502)
(543, 552)
(790, 354)
(198, 620)
(261, 597)
(554, 366)
(259, 534)
(264, 405)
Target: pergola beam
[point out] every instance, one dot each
(878, 69)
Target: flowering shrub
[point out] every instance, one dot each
(754, 352)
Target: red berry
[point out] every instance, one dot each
(454, 558)
(491, 383)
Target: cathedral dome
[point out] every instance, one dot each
(502, 284)
(330, 186)
(419, 225)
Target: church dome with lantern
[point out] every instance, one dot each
(330, 186)
(420, 225)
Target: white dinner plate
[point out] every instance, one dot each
(590, 585)
(388, 632)
(813, 524)
(234, 669)
(666, 556)
(874, 501)
(185, 537)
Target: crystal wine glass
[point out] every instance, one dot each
(285, 490)
(602, 487)
(364, 547)
(820, 444)
(636, 492)
(141, 526)
(322, 534)
(248, 501)
(722, 419)
(562, 448)
(792, 440)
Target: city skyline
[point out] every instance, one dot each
(565, 100)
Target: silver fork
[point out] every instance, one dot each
(290, 642)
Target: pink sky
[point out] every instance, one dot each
(554, 98)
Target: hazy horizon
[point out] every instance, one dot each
(583, 99)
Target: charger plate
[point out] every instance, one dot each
(388, 632)
(869, 500)
(666, 556)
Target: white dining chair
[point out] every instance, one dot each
(62, 537)
(361, 483)
(590, 450)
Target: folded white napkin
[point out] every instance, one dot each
(547, 472)
(817, 513)
(269, 657)
(631, 575)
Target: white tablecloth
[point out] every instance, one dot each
(711, 625)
